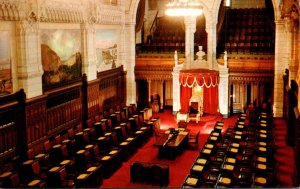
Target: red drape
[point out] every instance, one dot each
(208, 79)
(185, 95)
(210, 100)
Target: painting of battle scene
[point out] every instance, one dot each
(5, 64)
(106, 49)
(61, 56)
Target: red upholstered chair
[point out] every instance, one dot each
(182, 124)
(155, 103)
(193, 140)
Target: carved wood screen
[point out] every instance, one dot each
(27, 124)
(36, 120)
(93, 98)
(111, 88)
(12, 127)
(64, 109)
(52, 113)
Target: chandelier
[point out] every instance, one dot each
(183, 8)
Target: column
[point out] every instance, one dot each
(129, 62)
(29, 62)
(190, 29)
(223, 91)
(281, 59)
(88, 48)
(289, 48)
(149, 90)
(294, 55)
(123, 44)
(176, 89)
(161, 94)
(254, 91)
(231, 98)
(243, 96)
(211, 30)
(258, 94)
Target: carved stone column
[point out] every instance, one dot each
(294, 49)
(89, 62)
(129, 62)
(176, 88)
(29, 64)
(190, 29)
(281, 59)
(223, 91)
(121, 48)
(289, 48)
(211, 29)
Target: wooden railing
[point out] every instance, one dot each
(28, 123)
(64, 108)
(12, 127)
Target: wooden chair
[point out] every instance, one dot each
(10, 180)
(193, 140)
(157, 131)
(182, 124)
(194, 112)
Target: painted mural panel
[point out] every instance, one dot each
(5, 63)
(106, 49)
(61, 56)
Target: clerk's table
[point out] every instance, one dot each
(173, 142)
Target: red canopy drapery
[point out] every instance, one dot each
(208, 79)
(185, 93)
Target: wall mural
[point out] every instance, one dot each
(61, 56)
(106, 49)
(5, 64)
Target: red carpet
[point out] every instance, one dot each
(180, 167)
(284, 155)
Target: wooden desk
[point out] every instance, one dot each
(174, 146)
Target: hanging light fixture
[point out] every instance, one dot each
(183, 8)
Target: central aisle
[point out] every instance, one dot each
(180, 167)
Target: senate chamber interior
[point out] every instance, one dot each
(149, 93)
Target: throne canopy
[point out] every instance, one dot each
(206, 79)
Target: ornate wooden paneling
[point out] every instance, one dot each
(64, 108)
(93, 98)
(8, 130)
(36, 121)
(12, 127)
(154, 68)
(251, 70)
(27, 124)
(112, 88)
